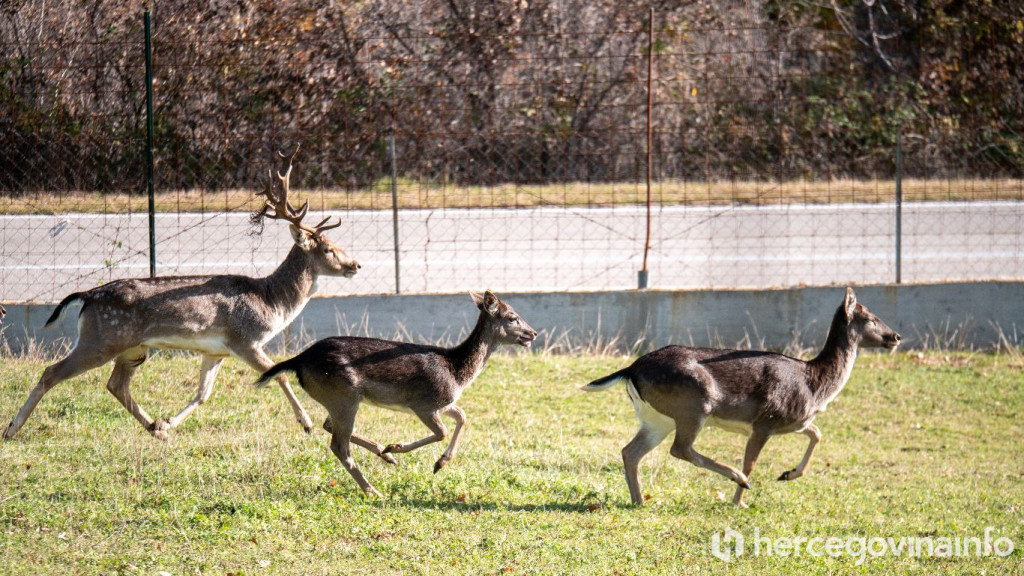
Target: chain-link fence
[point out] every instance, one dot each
(786, 147)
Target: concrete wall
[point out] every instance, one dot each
(949, 315)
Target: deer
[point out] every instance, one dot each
(217, 316)
(345, 371)
(753, 393)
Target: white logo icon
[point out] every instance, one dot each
(720, 544)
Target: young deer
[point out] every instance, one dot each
(217, 316)
(757, 394)
(342, 372)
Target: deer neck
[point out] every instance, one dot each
(290, 286)
(830, 370)
(468, 358)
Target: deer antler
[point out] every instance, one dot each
(279, 208)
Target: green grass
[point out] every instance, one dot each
(424, 195)
(915, 446)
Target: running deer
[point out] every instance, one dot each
(343, 372)
(757, 394)
(217, 316)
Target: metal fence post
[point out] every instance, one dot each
(899, 207)
(149, 147)
(642, 274)
(394, 207)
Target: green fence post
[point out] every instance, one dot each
(149, 147)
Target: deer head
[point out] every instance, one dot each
(330, 259)
(509, 326)
(866, 328)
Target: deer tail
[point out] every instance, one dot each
(59, 310)
(290, 365)
(608, 381)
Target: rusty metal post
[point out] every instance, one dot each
(394, 206)
(642, 275)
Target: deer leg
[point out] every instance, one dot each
(755, 444)
(814, 435)
(433, 421)
(211, 364)
(647, 438)
(370, 445)
(341, 435)
(682, 448)
(125, 366)
(80, 360)
(460, 421)
(256, 358)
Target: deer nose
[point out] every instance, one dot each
(896, 337)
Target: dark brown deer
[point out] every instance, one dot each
(217, 316)
(343, 372)
(757, 394)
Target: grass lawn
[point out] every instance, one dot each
(413, 194)
(916, 446)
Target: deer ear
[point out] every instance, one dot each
(849, 303)
(302, 238)
(477, 299)
(488, 302)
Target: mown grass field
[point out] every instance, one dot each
(413, 194)
(917, 446)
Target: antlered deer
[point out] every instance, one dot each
(757, 394)
(217, 316)
(343, 372)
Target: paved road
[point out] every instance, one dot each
(47, 257)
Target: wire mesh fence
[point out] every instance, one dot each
(784, 150)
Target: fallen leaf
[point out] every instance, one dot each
(462, 498)
(593, 507)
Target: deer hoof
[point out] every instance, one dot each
(159, 429)
(745, 485)
(391, 448)
(388, 458)
(441, 463)
(786, 476)
(372, 492)
(9, 432)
